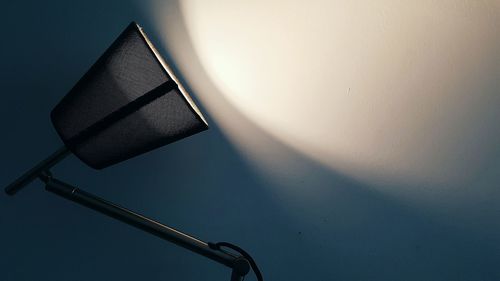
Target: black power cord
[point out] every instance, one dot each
(219, 245)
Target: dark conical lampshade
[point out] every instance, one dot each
(129, 102)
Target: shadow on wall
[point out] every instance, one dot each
(300, 221)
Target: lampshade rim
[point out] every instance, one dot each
(170, 73)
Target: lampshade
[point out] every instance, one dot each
(129, 102)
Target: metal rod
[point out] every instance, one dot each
(36, 171)
(239, 264)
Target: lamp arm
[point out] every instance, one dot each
(37, 170)
(239, 265)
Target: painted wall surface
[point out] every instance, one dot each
(348, 141)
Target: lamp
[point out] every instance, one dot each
(128, 103)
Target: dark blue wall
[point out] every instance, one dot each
(201, 185)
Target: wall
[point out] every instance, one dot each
(302, 216)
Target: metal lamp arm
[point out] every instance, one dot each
(239, 265)
(37, 170)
